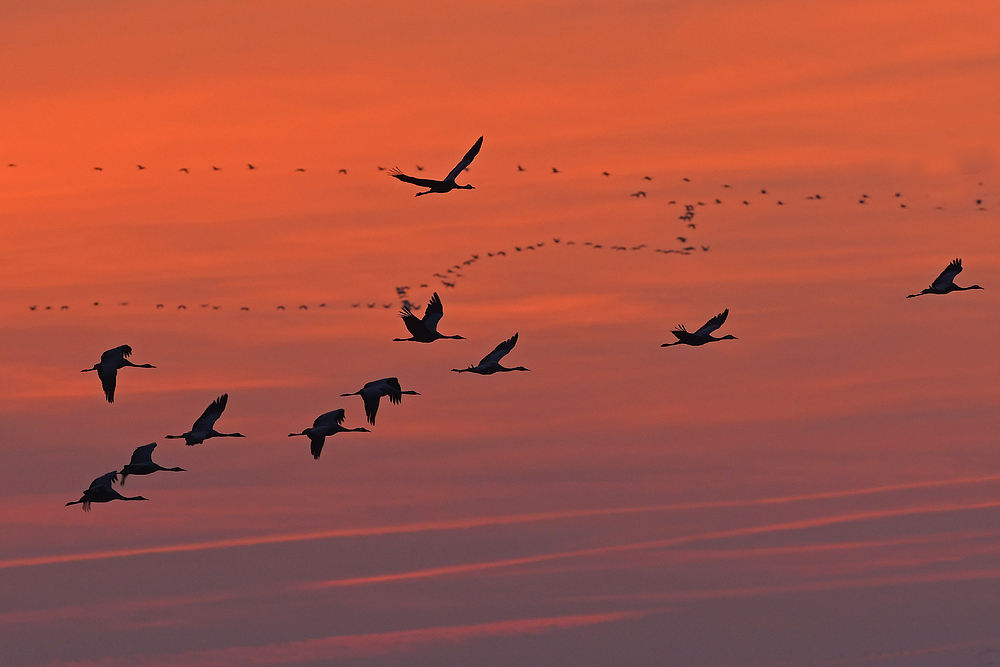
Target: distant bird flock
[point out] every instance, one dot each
(421, 329)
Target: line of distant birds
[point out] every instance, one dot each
(448, 183)
(422, 330)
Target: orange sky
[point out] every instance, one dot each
(822, 490)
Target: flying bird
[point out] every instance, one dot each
(142, 463)
(326, 424)
(943, 283)
(702, 335)
(100, 491)
(204, 426)
(448, 183)
(107, 368)
(372, 392)
(424, 330)
(490, 364)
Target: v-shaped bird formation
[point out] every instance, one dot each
(421, 329)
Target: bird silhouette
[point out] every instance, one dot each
(142, 463)
(702, 335)
(214, 168)
(184, 169)
(341, 171)
(490, 364)
(204, 426)
(100, 491)
(943, 283)
(140, 167)
(424, 330)
(107, 368)
(446, 185)
(372, 392)
(326, 424)
(250, 166)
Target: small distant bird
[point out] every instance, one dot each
(328, 423)
(448, 184)
(204, 426)
(342, 171)
(244, 308)
(63, 307)
(98, 169)
(32, 307)
(490, 364)
(250, 166)
(605, 173)
(702, 335)
(648, 178)
(554, 170)
(100, 491)
(425, 330)
(943, 283)
(303, 307)
(184, 169)
(107, 368)
(419, 168)
(159, 305)
(373, 391)
(300, 169)
(520, 168)
(638, 194)
(687, 179)
(140, 166)
(11, 165)
(182, 307)
(281, 307)
(214, 168)
(682, 239)
(142, 463)
(763, 192)
(706, 248)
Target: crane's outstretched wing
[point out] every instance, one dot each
(499, 352)
(413, 323)
(123, 352)
(392, 390)
(422, 182)
(210, 415)
(433, 313)
(143, 455)
(327, 419)
(371, 400)
(105, 480)
(109, 378)
(947, 276)
(713, 324)
(466, 161)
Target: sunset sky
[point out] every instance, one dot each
(824, 490)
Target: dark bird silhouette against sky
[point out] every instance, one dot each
(424, 330)
(372, 392)
(107, 368)
(204, 426)
(100, 491)
(702, 335)
(328, 423)
(490, 364)
(142, 463)
(944, 284)
(448, 183)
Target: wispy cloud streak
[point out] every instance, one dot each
(347, 646)
(476, 522)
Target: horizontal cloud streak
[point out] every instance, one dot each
(478, 522)
(346, 646)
